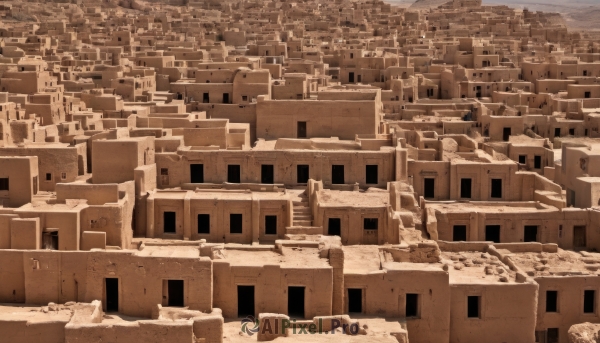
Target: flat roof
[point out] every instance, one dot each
(477, 268)
(292, 257)
(561, 263)
(373, 197)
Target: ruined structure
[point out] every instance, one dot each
(320, 171)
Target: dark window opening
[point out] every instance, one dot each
(3, 184)
(571, 132)
(588, 95)
(197, 173)
(235, 223)
(204, 223)
(245, 298)
(233, 173)
(429, 188)
(50, 240)
(351, 77)
(225, 98)
(170, 222)
(557, 132)
(589, 301)
(175, 293)
(270, 225)
(370, 223)
(335, 227)
(372, 178)
(266, 174)
(465, 188)
(551, 301)
(506, 134)
(205, 98)
(552, 335)
(412, 305)
(523, 159)
(530, 233)
(537, 162)
(48, 177)
(337, 174)
(296, 302)
(302, 173)
(496, 188)
(459, 233)
(112, 294)
(301, 129)
(492, 233)
(473, 307)
(354, 300)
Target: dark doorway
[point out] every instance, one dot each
(270, 225)
(337, 174)
(465, 188)
(557, 132)
(496, 188)
(301, 129)
(537, 162)
(552, 335)
(334, 227)
(112, 295)
(170, 222)
(302, 173)
(492, 233)
(579, 237)
(571, 132)
(372, 177)
(296, 302)
(354, 300)
(266, 174)
(235, 223)
(245, 301)
(205, 98)
(225, 98)
(233, 173)
(50, 240)
(459, 233)
(506, 134)
(523, 159)
(412, 305)
(204, 223)
(530, 233)
(589, 301)
(351, 77)
(473, 307)
(197, 173)
(175, 289)
(551, 301)
(429, 188)
(588, 95)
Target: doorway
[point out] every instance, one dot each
(170, 219)
(506, 134)
(492, 233)
(112, 294)
(225, 98)
(197, 173)
(266, 174)
(465, 188)
(429, 185)
(337, 174)
(175, 293)
(233, 173)
(459, 233)
(296, 301)
(301, 133)
(334, 227)
(530, 233)
(579, 237)
(354, 300)
(50, 240)
(351, 77)
(245, 301)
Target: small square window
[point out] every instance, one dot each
(164, 171)
(48, 176)
(3, 184)
(63, 176)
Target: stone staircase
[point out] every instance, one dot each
(302, 218)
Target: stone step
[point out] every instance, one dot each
(302, 217)
(302, 222)
(304, 230)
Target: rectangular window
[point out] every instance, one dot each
(63, 176)
(270, 225)
(473, 307)
(372, 177)
(197, 173)
(465, 188)
(589, 301)
(335, 227)
(571, 132)
(170, 222)
(48, 177)
(412, 305)
(302, 173)
(530, 233)
(301, 129)
(459, 233)
(266, 174)
(557, 132)
(496, 188)
(4, 184)
(429, 185)
(204, 223)
(370, 223)
(337, 174)
(233, 173)
(492, 233)
(537, 162)
(523, 159)
(235, 223)
(551, 301)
